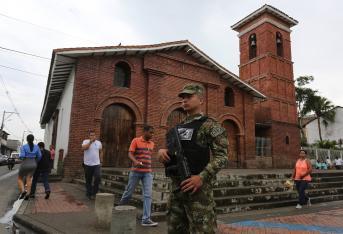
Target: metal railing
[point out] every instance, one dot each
(322, 154)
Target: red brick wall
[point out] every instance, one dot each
(155, 82)
(273, 76)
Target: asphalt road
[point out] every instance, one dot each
(8, 192)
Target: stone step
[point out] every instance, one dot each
(269, 182)
(125, 172)
(275, 196)
(277, 187)
(163, 194)
(275, 204)
(232, 175)
(159, 183)
(136, 200)
(230, 204)
(157, 193)
(124, 180)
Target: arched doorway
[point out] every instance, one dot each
(117, 131)
(233, 138)
(175, 117)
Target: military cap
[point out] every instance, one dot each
(192, 89)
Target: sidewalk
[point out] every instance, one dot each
(67, 211)
(319, 218)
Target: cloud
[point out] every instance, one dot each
(316, 41)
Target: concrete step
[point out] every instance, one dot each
(157, 183)
(158, 205)
(157, 193)
(277, 187)
(275, 204)
(274, 196)
(158, 175)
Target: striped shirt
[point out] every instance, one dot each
(142, 151)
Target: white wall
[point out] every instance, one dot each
(64, 107)
(334, 131)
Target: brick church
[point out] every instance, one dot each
(115, 90)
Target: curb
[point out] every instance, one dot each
(27, 222)
(24, 221)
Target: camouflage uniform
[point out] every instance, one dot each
(194, 213)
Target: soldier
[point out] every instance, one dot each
(191, 210)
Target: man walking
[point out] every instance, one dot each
(43, 169)
(191, 203)
(140, 152)
(92, 159)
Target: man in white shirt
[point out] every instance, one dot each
(92, 159)
(338, 163)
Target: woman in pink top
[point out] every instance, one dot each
(302, 176)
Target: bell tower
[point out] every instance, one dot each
(266, 64)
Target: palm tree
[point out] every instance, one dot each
(323, 109)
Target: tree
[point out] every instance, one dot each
(302, 95)
(323, 109)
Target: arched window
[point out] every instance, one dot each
(229, 99)
(252, 46)
(287, 140)
(122, 75)
(279, 44)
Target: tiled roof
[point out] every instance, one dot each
(266, 8)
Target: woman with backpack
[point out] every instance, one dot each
(30, 154)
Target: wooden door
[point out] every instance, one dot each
(233, 151)
(117, 132)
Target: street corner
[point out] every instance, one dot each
(329, 221)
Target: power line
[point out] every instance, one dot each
(44, 27)
(45, 58)
(12, 102)
(20, 70)
(25, 53)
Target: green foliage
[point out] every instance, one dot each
(326, 144)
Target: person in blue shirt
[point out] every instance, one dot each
(30, 154)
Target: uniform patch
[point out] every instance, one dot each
(216, 131)
(185, 134)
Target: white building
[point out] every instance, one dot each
(333, 132)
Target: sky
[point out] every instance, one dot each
(38, 27)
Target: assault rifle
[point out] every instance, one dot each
(178, 164)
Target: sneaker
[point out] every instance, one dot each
(309, 202)
(149, 223)
(298, 206)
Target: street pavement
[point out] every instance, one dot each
(319, 218)
(9, 192)
(68, 211)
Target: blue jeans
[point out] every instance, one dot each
(45, 176)
(301, 186)
(146, 179)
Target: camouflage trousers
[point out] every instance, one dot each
(191, 213)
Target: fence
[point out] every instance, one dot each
(263, 146)
(317, 153)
